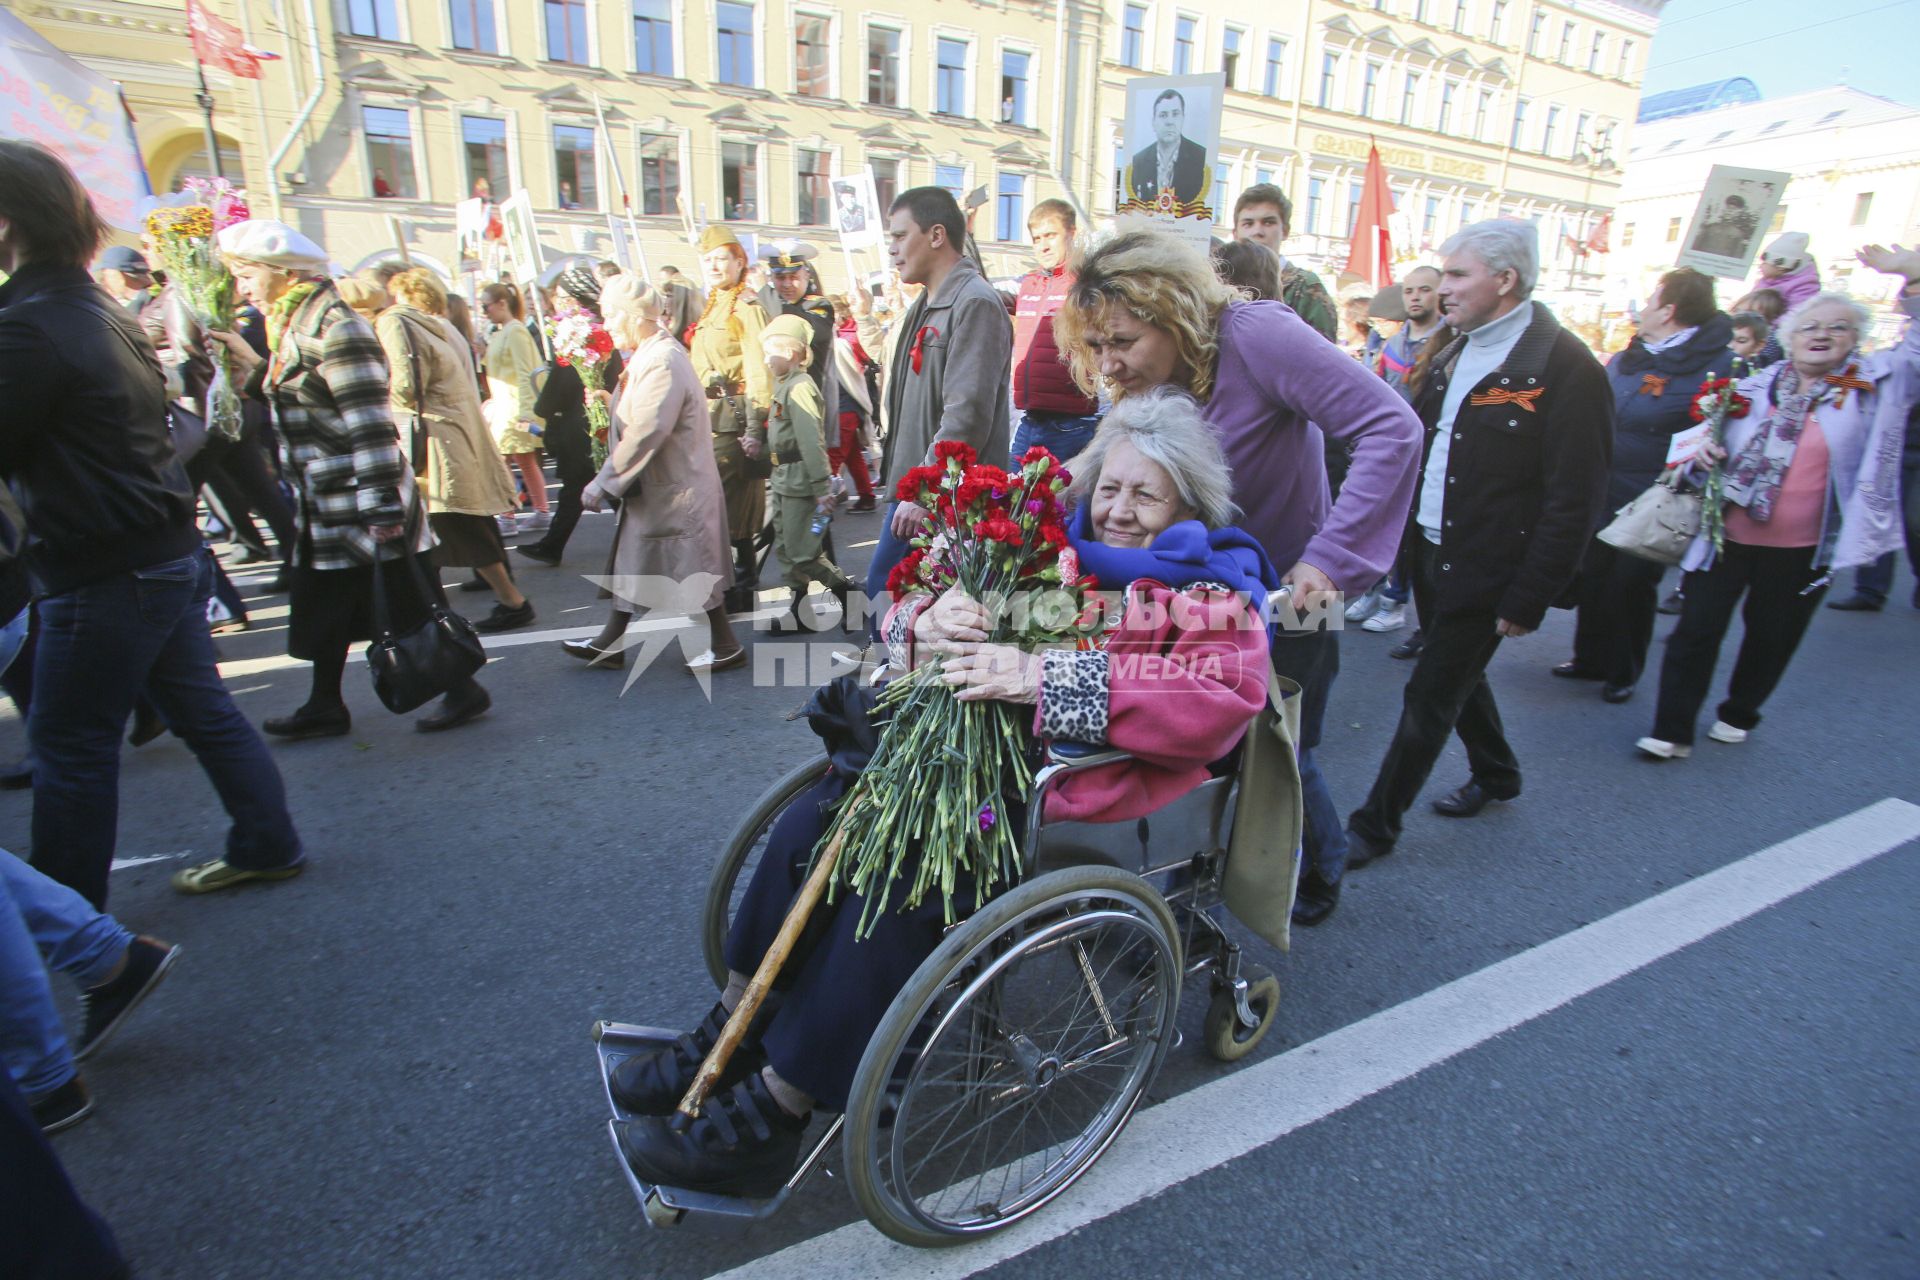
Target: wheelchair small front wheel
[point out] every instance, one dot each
(1013, 1056)
(1228, 1038)
(741, 857)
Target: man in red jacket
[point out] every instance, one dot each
(1053, 411)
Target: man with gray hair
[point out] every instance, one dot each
(1519, 443)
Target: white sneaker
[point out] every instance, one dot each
(1364, 607)
(1661, 749)
(1724, 732)
(1391, 617)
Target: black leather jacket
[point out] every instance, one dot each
(83, 433)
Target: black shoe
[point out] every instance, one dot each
(1574, 671)
(456, 709)
(17, 776)
(108, 1004)
(741, 1144)
(504, 619)
(1858, 602)
(1616, 692)
(652, 1084)
(1671, 605)
(479, 584)
(850, 623)
(585, 650)
(1315, 899)
(1410, 647)
(1468, 800)
(330, 722)
(1364, 849)
(544, 554)
(864, 504)
(147, 725)
(64, 1107)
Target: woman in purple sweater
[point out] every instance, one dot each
(1147, 310)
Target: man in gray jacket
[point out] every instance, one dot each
(951, 376)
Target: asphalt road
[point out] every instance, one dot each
(382, 1068)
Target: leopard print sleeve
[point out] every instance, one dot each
(1073, 696)
(897, 632)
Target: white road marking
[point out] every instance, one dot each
(1206, 1127)
(121, 864)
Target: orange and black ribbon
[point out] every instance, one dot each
(1847, 380)
(1653, 384)
(1502, 395)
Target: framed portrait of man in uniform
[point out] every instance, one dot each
(1733, 215)
(1170, 137)
(857, 215)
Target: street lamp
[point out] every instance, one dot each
(1593, 160)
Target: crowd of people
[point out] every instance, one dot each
(1243, 431)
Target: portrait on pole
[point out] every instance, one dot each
(1171, 134)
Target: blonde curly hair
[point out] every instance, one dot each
(1160, 280)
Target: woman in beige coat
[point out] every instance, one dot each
(670, 550)
(461, 476)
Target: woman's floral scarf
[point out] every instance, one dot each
(1755, 473)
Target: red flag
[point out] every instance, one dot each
(1597, 242)
(1371, 257)
(220, 44)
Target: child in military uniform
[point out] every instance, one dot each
(796, 439)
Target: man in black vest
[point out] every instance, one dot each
(1519, 442)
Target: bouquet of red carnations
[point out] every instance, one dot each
(1716, 403)
(583, 343)
(930, 803)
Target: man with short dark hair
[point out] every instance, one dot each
(1264, 214)
(952, 361)
(1054, 413)
(1172, 164)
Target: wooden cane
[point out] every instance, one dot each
(770, 965)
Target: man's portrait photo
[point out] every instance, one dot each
(1172, 161)
(850, 215)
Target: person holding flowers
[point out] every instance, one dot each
(584, 362)
(1148, 513)
(1807, 484)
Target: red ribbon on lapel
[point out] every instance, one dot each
(919, 341)
(1502, 395)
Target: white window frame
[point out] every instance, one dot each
(1026, 202)
(683, 154)
(602, 176)
(1268, 36)
(416, 134)
(343, 23)
(904, 29)
(501, 36)
(832, 151)
(1001, 48)
(758, 37)
(1626, 59)
(504, 115)
(832, 17)
(1548, 127)
(1238, 79)
(1199, 40)
(596, 56)
(760, 169)
(903, 172)
(969, 73)
(1443, 105)
(1369, 104)
(1146, 35)
(677, 15)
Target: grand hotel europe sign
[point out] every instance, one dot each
(1401, 158)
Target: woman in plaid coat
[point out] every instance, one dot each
(326, 379)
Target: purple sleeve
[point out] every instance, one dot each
(1289, 364)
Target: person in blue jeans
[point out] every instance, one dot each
(115, 559)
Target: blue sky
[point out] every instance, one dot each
(1868, 43)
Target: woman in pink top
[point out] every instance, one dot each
(1812, 486)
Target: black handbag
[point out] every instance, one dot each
(413, 669)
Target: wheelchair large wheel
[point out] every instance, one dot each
(1013, 1056)
(739, 858)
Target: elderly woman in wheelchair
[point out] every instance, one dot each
(1175, 677)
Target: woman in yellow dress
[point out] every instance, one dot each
(726, 356)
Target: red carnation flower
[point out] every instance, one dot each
(945, 451)
(600, 342)
(561, 360)
(1036, 453)
(906, 575)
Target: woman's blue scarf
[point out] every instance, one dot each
(1182, 554)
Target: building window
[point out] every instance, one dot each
(1862, 209)
(1497, 27)
(1626, 236)
(1446, 106)
(1133, 37)
(734, 26)
(1626, 59)
(1263, 174)
(375, 19)
(1183, 46)
(1481, 110)
(1329, 64)
(1276, 67)
(567, 31)
(1430, 220)
(815, 197)
(1593, 53)
(390, 152)
(1419, 10)
(1582, 149)
(659, 173)
(739, 181)
(1519, 124)
(1316, 196)
(577, 181)
(951, 176)
(1469, 212)
(883, 66)
(812, 55)
(1534, 32)
(484, 140)
(1222, 176)
(653, 37)
(1566, 44)
(472, 22)
(1230, 41)
(1673, 230)
(1553, 127)
(1010, 208)
(1369, 82)
(886, 182)
(1016, 105)
(1460, 16)
(950, 77)
(1353, 207)
(1409, 93)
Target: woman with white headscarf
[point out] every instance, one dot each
(327, 381)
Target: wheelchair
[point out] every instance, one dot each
(1017, 1051)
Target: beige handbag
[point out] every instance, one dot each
(1658, 525)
